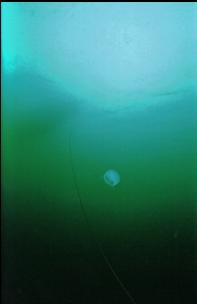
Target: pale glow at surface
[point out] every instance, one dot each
(111, 55)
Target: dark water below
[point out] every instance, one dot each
(146, 224)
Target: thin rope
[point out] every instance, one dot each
(100, 248)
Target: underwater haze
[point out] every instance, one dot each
(99, 153)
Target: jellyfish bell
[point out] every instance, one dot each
(111, 177)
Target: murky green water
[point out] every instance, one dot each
(146, 225)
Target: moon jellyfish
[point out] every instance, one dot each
(111, 178)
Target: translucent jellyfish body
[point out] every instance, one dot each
(111, 177)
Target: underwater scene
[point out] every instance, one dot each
(99, 153)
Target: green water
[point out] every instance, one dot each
(146, 225)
